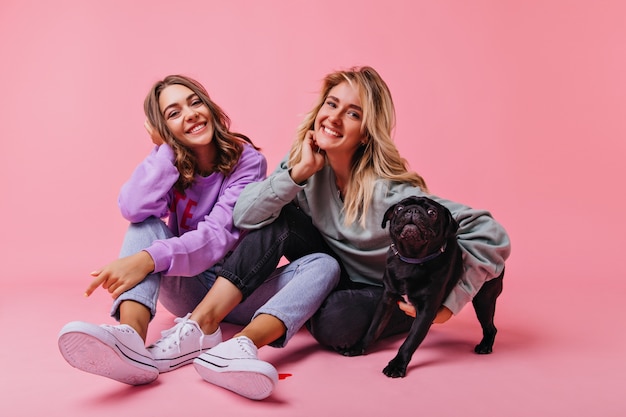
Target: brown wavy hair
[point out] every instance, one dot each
(229, 144)
(378, 157)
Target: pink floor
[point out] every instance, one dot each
(548, 361)
(517, 107)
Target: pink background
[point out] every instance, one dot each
(513, 106)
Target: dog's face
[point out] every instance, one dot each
(419, 226)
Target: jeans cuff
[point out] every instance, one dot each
(290, 328)
(115, 309)
(236, 281)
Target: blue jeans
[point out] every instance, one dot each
(343, 316)
(291, 293)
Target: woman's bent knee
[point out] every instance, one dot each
(328, 271)
(344, 317)
(141, 235)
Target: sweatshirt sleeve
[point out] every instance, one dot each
(147, 192)
(261, 202)
(197, 250)
(485, 246)
(484, 242)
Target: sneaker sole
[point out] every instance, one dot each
(252, 378)
(98, 352)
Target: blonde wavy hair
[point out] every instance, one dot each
(378, 157)
(229, 144)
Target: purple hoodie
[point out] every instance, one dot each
(201, 220)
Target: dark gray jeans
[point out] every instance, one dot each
(344, 316)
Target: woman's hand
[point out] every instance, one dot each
(154, 134)
(122, 274)
(443, 315)
(311, 160)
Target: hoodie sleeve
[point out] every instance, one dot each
(147, 192)
(485, 246)
(198, 249)
(261, 202)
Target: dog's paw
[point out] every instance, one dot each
(395, 369)
(483, 348)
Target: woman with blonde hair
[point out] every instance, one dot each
(325, 202)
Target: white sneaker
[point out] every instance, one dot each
(181, 344)
(116, 352)
(234, 365)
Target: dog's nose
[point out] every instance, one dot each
(413, 212)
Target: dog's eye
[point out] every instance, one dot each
(432, 212)
(399, 209)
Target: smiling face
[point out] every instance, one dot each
(338, 121)
(186, 116)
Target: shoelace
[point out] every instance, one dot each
(247, 346)
(119, 328)
(173, 335)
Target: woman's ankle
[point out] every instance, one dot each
(135, 315)
(206, 323)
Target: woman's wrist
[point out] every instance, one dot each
(297, 176)
(146, 261)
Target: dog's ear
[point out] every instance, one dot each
(404, 202)
(452, 226)
(388, 215)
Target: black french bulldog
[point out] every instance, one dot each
(424, 263)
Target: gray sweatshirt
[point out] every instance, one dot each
(484, 243)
